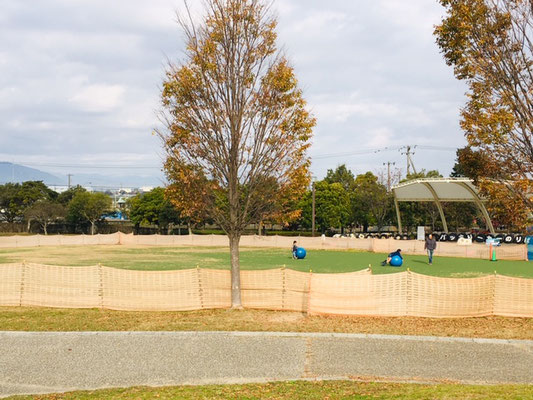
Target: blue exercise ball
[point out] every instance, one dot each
(301, 253)
(396, 261)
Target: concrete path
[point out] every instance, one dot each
(57, 362)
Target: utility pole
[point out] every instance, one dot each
(388, 164)
(313, 211)
(69, 176)
(408, 152)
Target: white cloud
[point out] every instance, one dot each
(99, 98)
(381, 137)
(90, 72)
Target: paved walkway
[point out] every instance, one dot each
(56, 362)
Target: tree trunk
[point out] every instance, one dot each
(28, 226)
(45, 226)
(236, 302)
(189, 227)
(260, 228)
(92, 227)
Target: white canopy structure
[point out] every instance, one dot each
(440, 190)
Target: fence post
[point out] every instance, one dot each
(409, 294)
(283, 288)
(309, 291)
(101, 285)
(200, 288)
(494, 282)
(22, 278)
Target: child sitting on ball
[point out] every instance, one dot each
(389, 257)
(294, 250)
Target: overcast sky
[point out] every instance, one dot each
(80, 79)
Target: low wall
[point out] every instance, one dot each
(446, 249)
(356, 293)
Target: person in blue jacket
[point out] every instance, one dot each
(389, 257)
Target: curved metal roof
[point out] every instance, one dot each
(440, 189)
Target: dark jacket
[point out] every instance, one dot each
(396, 253)
(431, 244)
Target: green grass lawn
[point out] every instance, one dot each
(320, 261)
(308, 391)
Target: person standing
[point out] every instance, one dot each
(430, 246)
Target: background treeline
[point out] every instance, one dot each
(344, 203)
(31, 206)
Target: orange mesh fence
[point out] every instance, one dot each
(215, 288)
(66, 287)
(390, 294)
(513, 297)
(10, 284)
(475, 250)
(150, 290)
(431, 296)
(356, 293)
(345, 294)
(277, 289)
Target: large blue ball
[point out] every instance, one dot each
(301, 253)
(396, 261)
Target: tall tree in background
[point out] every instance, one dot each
(15, 198)
(90, 207)
(153, 208)
(237, 125)
(371, 203)
(341, 175)
(45, 212)
(490, 45)
(332, 206)
(505, 206)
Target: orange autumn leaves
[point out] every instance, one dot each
(490, 45)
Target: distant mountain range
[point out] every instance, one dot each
(10, 172)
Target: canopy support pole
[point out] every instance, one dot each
(480, 205)
(398, 214)
(439, 206)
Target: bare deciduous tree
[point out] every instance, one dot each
(237, 126)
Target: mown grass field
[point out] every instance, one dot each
(320, 261)
(332, 390)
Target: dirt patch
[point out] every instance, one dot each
(283, 317)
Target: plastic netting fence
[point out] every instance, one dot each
(356, 293)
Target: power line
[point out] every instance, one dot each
(381, 150)
(354, 153)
